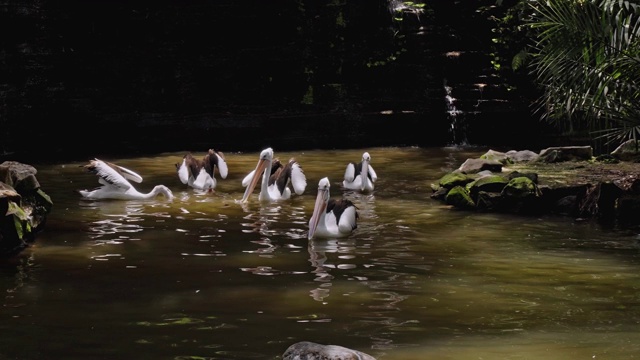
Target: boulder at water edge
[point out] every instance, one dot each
(23, 207)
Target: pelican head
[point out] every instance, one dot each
(161, 189)
(320, 207)
(364, 171)
(264, 164)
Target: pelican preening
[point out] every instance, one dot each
(200, 174)
(116, 185)
(331, 217)
(360, 176)
(275, 178)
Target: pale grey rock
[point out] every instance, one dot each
(565, 153)
(522, 156)
(474, 166)
(627, 151)
(306, 350)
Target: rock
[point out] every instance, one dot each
(628, 208)
(492, 184)
(530, 175)
(627, 151)
(522, 156)
(459, 197)
(584, 187)
(439, 193)
(565, 206)
(489, 201)
(510, 157)
(607, 158)
(565, 153)
(472, 166)
(495, 156)
(563, 200)
(21, 177)
(599, 201)
(306, 350)
(453, 179)
(23, 207)
(520, 188)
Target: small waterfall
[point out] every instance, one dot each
(458, 128)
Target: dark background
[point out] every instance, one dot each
(85, 78)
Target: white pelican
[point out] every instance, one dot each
(200, 174)
(275, 178)
(116, 185)
(331, 217)
(360, 176)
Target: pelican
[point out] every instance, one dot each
(275, 178)
(360, 176)
(200, 174)
(116, 185)
(331, 217)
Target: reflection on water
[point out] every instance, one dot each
(120, 221)
(317, 252)
(205, 276)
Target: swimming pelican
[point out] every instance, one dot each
(116, 185)
(275, 178)
(360, 176)
(331, 217)
(200, 174)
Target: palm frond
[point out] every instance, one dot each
(587, 60)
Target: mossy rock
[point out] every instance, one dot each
(24, 207)
(498, 156)
(516, 174)
(453, 179)
(520, 188)
(459, 197)
(491, 183)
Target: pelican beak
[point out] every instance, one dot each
(319, 208)
(257, 174)
(364, 174)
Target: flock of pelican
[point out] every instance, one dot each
(330, 218)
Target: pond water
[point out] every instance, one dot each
(204, 277)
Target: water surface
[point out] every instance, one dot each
(205, 277)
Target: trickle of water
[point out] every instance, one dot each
(456, 119)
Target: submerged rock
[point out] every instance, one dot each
(306, 350)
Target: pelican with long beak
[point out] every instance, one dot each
(360, 176)
(331, 217)
(275, 178)
(200, 174)
(115, 183)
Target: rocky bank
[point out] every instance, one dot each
(567, 181)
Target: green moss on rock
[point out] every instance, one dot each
(459, 197)
(453, 179)
(521, 187)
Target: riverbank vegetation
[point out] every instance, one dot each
(584, 57)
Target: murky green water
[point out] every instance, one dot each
(205, 277)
